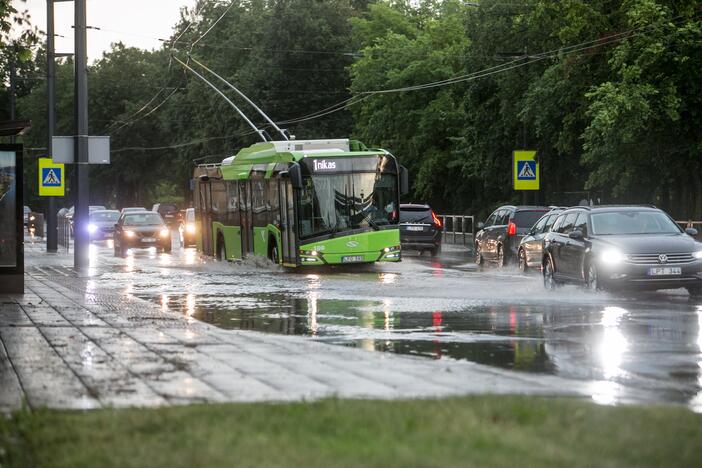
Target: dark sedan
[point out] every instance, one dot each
(101, 224)
(420, 228)
(141, 230)
(531, 246)
(625, 247)
(498, 238)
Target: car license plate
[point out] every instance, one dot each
(148, 239)
(352, 259)
(415, 228)
(664, 271)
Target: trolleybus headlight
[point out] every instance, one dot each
(698, 254)
(129, 234)
(165, 232)
(92, 228)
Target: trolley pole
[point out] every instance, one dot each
(82, 181)
(51, 221)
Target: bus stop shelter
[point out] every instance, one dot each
(11, 210)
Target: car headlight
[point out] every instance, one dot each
(697, 254)
(92, 228)
(612, 257)
(165, 233)
(129, 234)
(190, 228)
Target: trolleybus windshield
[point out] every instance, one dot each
(331, 203)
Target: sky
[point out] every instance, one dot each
(137, 23)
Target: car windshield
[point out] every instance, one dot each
(633, 222)
(331, 203)
(526, 219)
(143, 219)
(98, 216)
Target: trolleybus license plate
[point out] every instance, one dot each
(352, 259)
(664, 271)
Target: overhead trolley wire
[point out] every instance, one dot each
(133, 118)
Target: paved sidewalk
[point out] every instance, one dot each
(65, 344)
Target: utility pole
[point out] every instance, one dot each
(82, 175)
(51, 221)
(13, 79)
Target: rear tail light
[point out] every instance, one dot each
(511, 229)
(437, 222)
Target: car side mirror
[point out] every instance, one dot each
(691, 232)
(577, 234)
(481, 225)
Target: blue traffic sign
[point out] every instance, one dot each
(526, 170)
(51, 176)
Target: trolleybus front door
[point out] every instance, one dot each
(205, 210)
(287, 222)
(246, 218)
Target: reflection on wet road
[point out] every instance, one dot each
(645, 348)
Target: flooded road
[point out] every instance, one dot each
(645, 348)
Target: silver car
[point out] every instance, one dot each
(532, 244)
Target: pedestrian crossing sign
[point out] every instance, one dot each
(525, 170)
(52, 178)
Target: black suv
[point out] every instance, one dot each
(420, 228)
(169, 213)
(499, 237)
(621, 247)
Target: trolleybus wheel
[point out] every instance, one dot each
(221, 250)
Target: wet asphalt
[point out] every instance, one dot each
(633, 347)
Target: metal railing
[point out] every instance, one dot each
(458, 229)
(692, 224)
(64, 232)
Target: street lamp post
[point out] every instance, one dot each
(82, 168)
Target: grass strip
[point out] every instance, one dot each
(469, 431)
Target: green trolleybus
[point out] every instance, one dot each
(301, 203)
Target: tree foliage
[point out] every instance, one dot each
(607, 91)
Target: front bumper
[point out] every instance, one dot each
(141, 244)
(638, 276)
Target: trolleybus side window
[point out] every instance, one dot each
(258, 202)
(219, 199)
(233, 202)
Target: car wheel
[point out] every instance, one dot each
(168, 248)
(523, 267)
(436, 251)
(501, 261)
(694, 291)
(592, 280)
(479, 260)
(550, 282)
